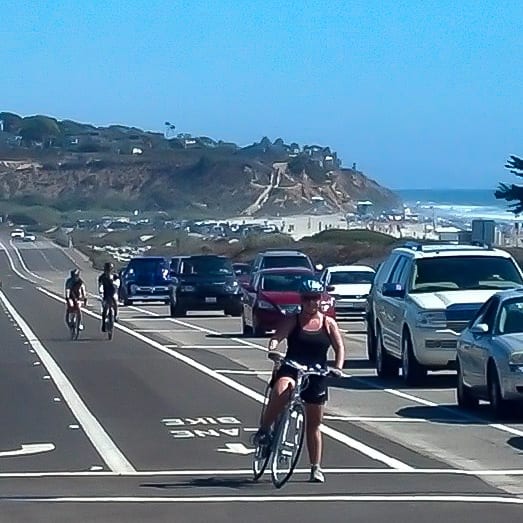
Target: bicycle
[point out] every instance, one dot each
(289, 429)
(109, 318)
(73, 322)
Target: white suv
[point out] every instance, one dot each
(423, 296)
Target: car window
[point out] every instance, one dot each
(282, 282)
(396, 271)
(464, 273)
(511, 317)
(140, 267)
(487, 313)
(342, 278)
(276, 262)
(207, 266)
(384, 271)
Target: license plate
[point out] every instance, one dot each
(210, 300)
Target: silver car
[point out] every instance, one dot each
(490, 354)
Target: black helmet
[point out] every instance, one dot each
(108, 266)
(75, 272)
(311, 287)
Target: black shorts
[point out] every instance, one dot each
(316, 392)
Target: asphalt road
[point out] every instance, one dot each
(155, 425)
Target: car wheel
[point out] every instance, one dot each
(386, 365)
(178, 311)
(465, 398)
(499, 406)
(246, 330)
(413, 372)
(371, 342)
(257, 331)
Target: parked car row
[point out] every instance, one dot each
(449, 306)
(427, 307)
(262, 292)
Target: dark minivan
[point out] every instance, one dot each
(207, 282)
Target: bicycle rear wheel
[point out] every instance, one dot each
(109, 324)
(261, 454)
(288, 444)
(75, 326)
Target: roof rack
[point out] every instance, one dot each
(417, 246)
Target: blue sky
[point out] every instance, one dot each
(419, 94)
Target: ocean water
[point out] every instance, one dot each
(458, 203)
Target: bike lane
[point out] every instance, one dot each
(162, 413)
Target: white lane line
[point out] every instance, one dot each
(245, 372)
(248, 472)
(207, 346)
(24, 266)
(375, 419)
(12, 264)
(105, 446)
(163, 330)
(246, 391)
(304, 498)
(203, 329)
(464, 415)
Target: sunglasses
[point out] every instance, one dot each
(311, 297)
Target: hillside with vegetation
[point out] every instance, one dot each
(68, 165)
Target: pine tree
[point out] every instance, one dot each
(512, 193)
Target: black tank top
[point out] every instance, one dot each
(308, 347)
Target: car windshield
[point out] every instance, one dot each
(282, 282)
(207, 266)
(464, 273)
(142, 267)
(511, 317)
(275, 262)
(351, 277)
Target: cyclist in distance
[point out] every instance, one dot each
(309, 336)
(74, 293)
(108, 284)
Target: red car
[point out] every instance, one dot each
(273, 296)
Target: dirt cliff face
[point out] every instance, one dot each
(125, 168)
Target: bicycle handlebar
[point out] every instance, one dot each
(316, 370)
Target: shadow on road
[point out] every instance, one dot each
(434, 381)
(231, 483)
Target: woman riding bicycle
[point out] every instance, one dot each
(309, 336)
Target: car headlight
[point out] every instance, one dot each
(187, 288)
(262, 304)
(516, 359)
(431, 319)
(232, 287)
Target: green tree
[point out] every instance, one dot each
(39, 128)
(12, 122)
(512, 193)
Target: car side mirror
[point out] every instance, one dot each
(480, 328)
(393, 290)
(330, 288)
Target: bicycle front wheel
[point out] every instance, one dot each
(288, 444)
(261, 453)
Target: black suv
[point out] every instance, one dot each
(207, 282)
(148, 279)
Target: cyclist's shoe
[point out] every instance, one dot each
(262, 438)
(316, 475)
(103, 327)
